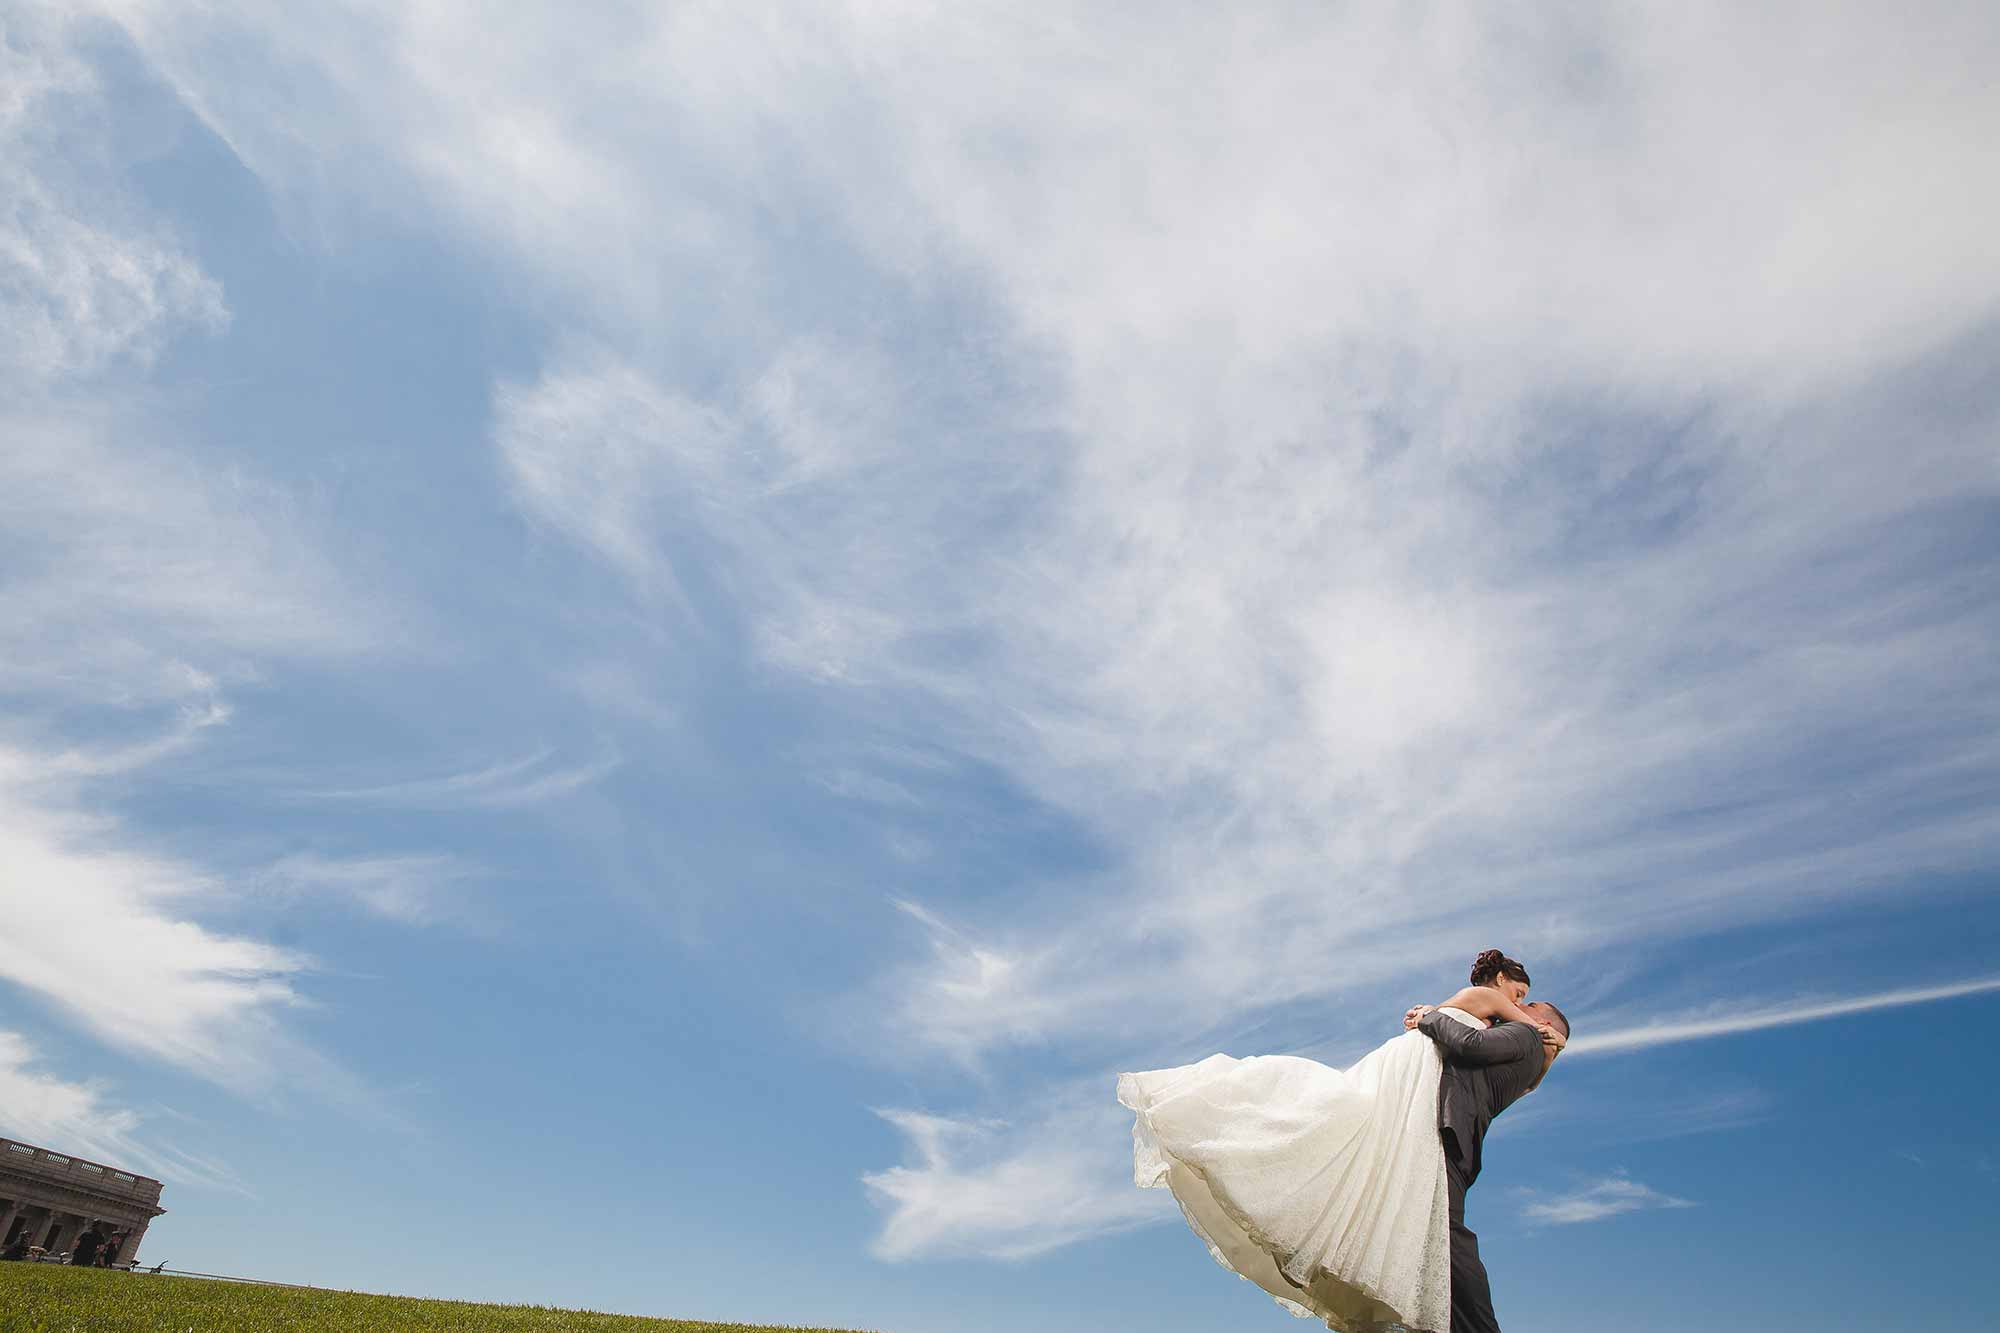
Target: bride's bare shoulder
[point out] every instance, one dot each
(1479, 1001)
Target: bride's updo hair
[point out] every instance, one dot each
(1492, 965)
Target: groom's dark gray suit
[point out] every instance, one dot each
(1485, 1072)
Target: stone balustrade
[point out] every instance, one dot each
(91, 1177)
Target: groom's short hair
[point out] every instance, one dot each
(1559, 1017)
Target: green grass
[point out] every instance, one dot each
(48, 1298)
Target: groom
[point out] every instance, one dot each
(1485, 1072)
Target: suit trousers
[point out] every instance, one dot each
(1471, 1293)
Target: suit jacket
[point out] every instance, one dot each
(1485, 1071)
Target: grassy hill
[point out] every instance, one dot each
(46, 1298)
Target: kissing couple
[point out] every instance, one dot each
(1341, 1192)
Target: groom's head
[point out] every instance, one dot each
(1549, 1014)
(1544, 1012)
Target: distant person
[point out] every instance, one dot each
(83, 1254)
(19, 1249)
(109, 1254)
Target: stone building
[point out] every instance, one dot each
(50, 1197)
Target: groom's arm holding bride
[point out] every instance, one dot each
(1488, 1003)
(1516, 1036)
(1477, 1046)
(1485, 1002)
(1504, 1043)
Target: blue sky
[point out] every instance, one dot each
(645, 643)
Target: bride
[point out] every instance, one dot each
(1325, 1187)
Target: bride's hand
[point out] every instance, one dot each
(1552, 1038)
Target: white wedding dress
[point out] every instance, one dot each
(1323, 1186)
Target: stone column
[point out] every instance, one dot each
(129, 1251)
(34, 1223)
(7, 1216)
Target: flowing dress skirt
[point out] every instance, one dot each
(1323, 1186)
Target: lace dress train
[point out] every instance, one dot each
(1323, 1186)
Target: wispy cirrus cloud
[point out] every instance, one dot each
(411, 889)
(792, 510)
(134, 573)
(1008, 1191)
(142, 600)
(528, 779)
(137, 577)
(131, 572)
(144, 975)
(85, 1118)
(1731, 1018)
(1610, 1197)
(84, 283)
(1312, 631)
(1355, 486)
(143, 583)
(69, 1117)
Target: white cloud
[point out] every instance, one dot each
(99, 928)
(1003, 1191)
(590, 452)
(140, 581)
(44, 1109)
(1430, 476)
(1729, 1018)
(1420, 507)
(413, 890)
(127, 563)
(1609, 1197)
(78, 290)
(792, 499)
(134, 575)
(976, 977)
(139, 587)
(1616, 190)
(525, 780)
(69, 1117)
